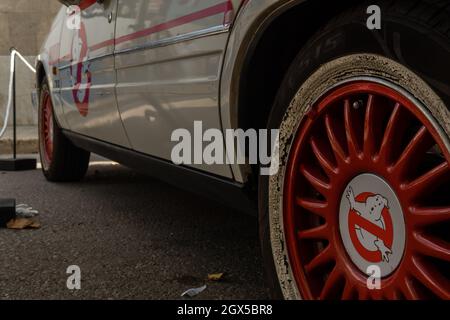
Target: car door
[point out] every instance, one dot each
(88, 76)
(168, 61)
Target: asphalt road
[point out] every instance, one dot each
(132, 236)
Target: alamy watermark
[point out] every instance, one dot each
(74, 280)
(211, 147)
(374, 20)
(374, 279)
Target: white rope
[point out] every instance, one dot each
(14, 53)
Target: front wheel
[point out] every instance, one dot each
(61, 160)
(360, 207)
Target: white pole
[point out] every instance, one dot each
(12, 69)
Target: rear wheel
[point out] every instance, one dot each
(61, 160)
(364, 177)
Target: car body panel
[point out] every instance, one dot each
(165, 84)
(88, 76)
(176, 86)
(156, 67)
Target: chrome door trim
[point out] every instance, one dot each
(88, 60)
(164, 42)
(177, 39)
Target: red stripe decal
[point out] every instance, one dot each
(224, 7)
(86, 4)
(101, 45)
(229, 14)
(205, 13)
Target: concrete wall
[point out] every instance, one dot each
(24, 24)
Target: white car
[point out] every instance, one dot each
(359, 207)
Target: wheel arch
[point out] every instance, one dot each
(42, 71)
(40, 74)
(260, 30)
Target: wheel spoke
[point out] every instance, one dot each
(335, 144)
(323, 258)
(324, 159)
(392, 294)
(407, 289)
(430, 278)
(349, 291)
(330, 283)
(427, 182)
(363, 294)
(314, 206)
(421, 217)
(316, 233)
(428, 245)
(376, 295)
(389, 142)
(352, 140)
(313, 177)
(416, 149)
(371, 127)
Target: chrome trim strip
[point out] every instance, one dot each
(105, 55)
(163, 42)
(177, 39)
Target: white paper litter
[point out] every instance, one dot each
(25, 211)
(193, 292)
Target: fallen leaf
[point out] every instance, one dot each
(35, 225)
(23, 223)
(215, 276)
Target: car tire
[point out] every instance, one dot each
(360, 111)
(61, 160)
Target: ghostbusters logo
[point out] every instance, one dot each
(79, 71)
(371, 224)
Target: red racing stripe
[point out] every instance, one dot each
(86, 4)
(223, 7)
(205, 13)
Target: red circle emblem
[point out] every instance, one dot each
(356, 222)
(80, 71)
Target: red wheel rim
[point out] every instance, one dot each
(46, 129)
(388, 135)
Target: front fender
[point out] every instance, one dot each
(253, 18)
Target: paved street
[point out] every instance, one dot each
(132, 236)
